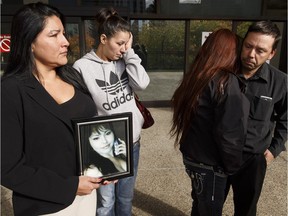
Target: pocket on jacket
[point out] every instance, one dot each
(261, 108)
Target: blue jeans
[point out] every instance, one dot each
(208, 188)
(116, 199)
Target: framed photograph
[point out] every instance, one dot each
(105, 145)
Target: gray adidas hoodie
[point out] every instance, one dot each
(112, 84)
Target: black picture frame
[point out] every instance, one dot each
(96, 155)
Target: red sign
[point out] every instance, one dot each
(5, 43)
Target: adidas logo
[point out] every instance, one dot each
(114, 87)
(117, 101)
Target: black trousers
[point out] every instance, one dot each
(247, 185)
(208, 188)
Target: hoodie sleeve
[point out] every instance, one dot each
(138, 77)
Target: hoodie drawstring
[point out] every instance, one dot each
(103, 71)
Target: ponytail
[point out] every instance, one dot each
(109, 22)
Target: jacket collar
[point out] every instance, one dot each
(36, 91)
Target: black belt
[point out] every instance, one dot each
(218, 170)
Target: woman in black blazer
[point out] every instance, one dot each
(40, 96)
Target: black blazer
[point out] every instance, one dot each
(38, 159)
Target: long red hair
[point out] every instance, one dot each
(218, 55)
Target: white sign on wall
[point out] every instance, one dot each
(204, 36)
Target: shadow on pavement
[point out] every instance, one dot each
(154, 206)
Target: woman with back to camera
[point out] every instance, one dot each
(40, 96)
(112, 73)
(209, 121)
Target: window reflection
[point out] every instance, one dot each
(160, 44)
(72, 34)
(200, 28)
(162, 41)
(90, 35)
(242, 28)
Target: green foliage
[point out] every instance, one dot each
(242, 28)
(165, 40)
(197, 27)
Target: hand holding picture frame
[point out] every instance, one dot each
(104, 146)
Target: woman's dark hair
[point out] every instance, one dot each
(266, 28)
(219, 56)
(109, 22)
(92, 157)
(27, 23)
(100, 127)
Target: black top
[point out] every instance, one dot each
(78, 106)
(38, 154)
(217, 132)
(267, 93)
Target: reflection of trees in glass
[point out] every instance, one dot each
(242, 28)
(72, 34)
(197, 27)
(74, 49)
(164, 42)
(90, 34)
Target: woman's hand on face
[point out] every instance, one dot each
(87, 184)
(128, 45)
(121, 148)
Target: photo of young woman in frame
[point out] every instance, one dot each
(104, 148)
